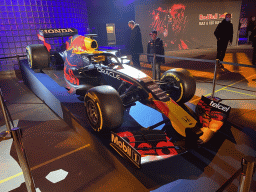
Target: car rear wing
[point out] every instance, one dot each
(50, 33)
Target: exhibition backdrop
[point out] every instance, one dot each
(118, 12)
(21, 20)
(184, 24)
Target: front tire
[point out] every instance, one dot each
(104, 108)
(178, 84)
(38, 56)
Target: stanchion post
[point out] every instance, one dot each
(4, 113)
(248, 168)
(16, 135)
(18, 58)
(154, 67)
(217, 63)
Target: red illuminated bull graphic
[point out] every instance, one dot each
(186, 25)
(171, 23)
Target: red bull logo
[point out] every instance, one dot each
(211, 16)
(82, 44)
(77, 45)
(222, 16)
(208, 16)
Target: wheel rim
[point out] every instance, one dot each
(29, 59)
(92, 113)
(172, 88)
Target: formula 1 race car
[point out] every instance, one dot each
(109, 85)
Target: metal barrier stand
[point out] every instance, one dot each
(154, 67)
(215, 75)
(248, 169)
(217, 64)
(16, 135)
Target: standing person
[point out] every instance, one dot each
(250, 28)
(135, 43)
(224, 35)
(155, 46)
(253, 39)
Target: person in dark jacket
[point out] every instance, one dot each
(155, 46)
(224, 35)
(135, 43)
(251, 25)
(253, 39)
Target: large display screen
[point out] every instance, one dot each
(185, 24)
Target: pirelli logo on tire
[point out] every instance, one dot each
(92, 97)
(172, 75)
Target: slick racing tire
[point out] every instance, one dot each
(104, 108)
(178, 84)
(57, 61)
(38, 56)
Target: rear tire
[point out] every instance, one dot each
(179, 84)
(56, 60)
(38, 56)
(104, 108)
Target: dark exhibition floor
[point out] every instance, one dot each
(64, 154)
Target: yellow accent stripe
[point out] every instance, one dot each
(223, 88)
(234, 83)
(12, 177)
(30, 58)
(240, 92)
(57, 158)
(181, 94)
(45, 163)
(101, 118)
